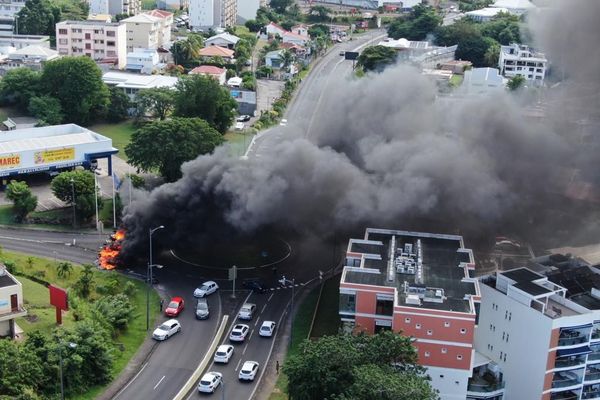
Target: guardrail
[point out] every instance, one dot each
(204, 363)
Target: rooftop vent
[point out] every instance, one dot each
(413, 299)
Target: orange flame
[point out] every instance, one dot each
(108, 256)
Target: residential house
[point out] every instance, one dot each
(100, 17)
(32, 57)
(8, 12)
(294, 38)
(482, 81)
(519, 59)
(222, 39)
(114, 7)
(217, 51)
(246, 9)
(144, 61)
(205, 14)
(456, 66)
(274, 59)
(11, 303)
(246, 100)
(485, 14)
(149, 30)
(101, 41)
(20, 41)
(133, 83)
(219, 74)
(272, 30)
(300, 29)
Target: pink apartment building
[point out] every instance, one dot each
(104, 42)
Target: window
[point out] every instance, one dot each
(88, 36)
(427, 354)
(509, 316)
(490, 327)
(110, 33)
(111, 53)
(407, 320)
(418, 326)
(505, 314)
(442, 376)
(445, 350)
(110, 43)
(504, 357)
(507, 338)
(463, 331)
(347, 302)
(459, 357)
(63, 41)
(62, 31)
(502, 335)
(384, 307)
(501, 354)
(446, 324)
(429, 332)
(88, 46)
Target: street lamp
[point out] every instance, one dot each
(62, 384)
(284, 282)
(73, 199)
(149, 275)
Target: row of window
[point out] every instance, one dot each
(430, 331)
(502, 354)
(444, 351)
(88, 36)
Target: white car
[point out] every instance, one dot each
(247, 311)
(210, 382)
(283, 122)
(248, 371)
(239, 126)
(239, 332)
(267, 328)
(166, 329)
(223, 353)
(207, 288)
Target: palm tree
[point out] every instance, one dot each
(287, 59)
(64, 269)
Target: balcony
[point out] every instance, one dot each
(590, 394)
(596, 331)
(481, 386)
(565, 379)
(592, 374)
(484, 383)
(565, 362)
(571, 338)
(594, 356)
(568, 395)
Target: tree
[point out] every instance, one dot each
(119, 106)
(186, 51)
(83, 185)
(19, 85)
(20, 369)
(64, 269)
(77, 83)
(38, 17)
(422, 21)
(280, 5)
(318, 30)
(158, 101)
(165, 145)
(86, 281)
(321, 12)
(330, 368)
(175, 70)
(516, 82)
(376, 58)
(23, 200)
(491, 55)
(287, 59)
(46, 109)
(474, 48)
(203, 97)
(253, 25)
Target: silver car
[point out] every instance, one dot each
(247, 311)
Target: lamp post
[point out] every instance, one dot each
(149, 275)
(62, 384)
(284, 282)
(73, 199)
(96, 199)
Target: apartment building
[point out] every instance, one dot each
(540, 326)
(419, 284)
(8, 11)
(20, 41)
(205, 14)
(11, 303)
(114, 7)
(104, 42)
(519, 59)
(149, 30)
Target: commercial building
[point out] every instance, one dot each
(246, 99)
(375, 4)
(144, 61)
(11, 303)
(246, 9)
(485, 14)
(32, 57)
(114, 7)
(516, 7)
(419, 284)
(51, 148)
(133, 83)
(518, 59)
(205, 14)
(482, 81)
(20, 41)
(541, 327)
(149, 30)
(102, 41)
(8, 12)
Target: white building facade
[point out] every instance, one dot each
(517, 59)
(114, 7)
(8, 11)
(246, 9)
(205, 14)
(144, 61)
(11, 303)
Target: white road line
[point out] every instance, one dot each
(161, 379)
(130, 382)
(250, 337)
(271, 296)
(256, 323)
(238, 365)
(245, 348)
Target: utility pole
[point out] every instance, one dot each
(233, 276)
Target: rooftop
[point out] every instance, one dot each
(7, 280)
(35, 51)
(214, 51)
(90, 23)
(514, 4)
(487, 12)
(430, 266)
(159, 13)
(136, 81)
(224, 36)
(143, 19)
(521, 275)
(208, 69)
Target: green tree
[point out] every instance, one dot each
(186, 51)
(422, 21)
(86, 281)
(320, 12)
(19, 85)
(20, 369)
(23, 200)
(46, 109)
(77, 83)
(318, 30)
(157, 101)
(280, 5)
(474, 49)
(165, 145)
(64, 269)
(203, 97)
(516, 82)
(287, 59)
(116, 309)
(38, 17)
(83, 186)
(253, 25)
(492, 54)
(118, 109)
(376, 58)
(330, 368)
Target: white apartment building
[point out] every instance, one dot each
(518, 59)
(103, 42)
(541, 331)
(20, 41)
(114, 7)
(205, 14)
(11, 303)
(149, 30)
(8, 11)
(246, 9)
(144, 61)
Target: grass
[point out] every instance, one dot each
(238, 142)
(456, 80)
(7, 217)
(327, 319)
(120, 133)
(36, 300)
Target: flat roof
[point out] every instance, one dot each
(7, 280)
(522, 275)
(532, 288)
(124, 79)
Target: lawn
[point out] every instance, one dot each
(238, 142)
(456, 80)
(120, 133)
(327, 320)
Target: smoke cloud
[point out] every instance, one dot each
(388, 151)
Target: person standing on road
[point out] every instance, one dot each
(162, 301)
(277, 367)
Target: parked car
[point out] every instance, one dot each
(166, 329)
(202, 311)
(267, 328)
(207, 288)
(175, 307)
(342, 53)
(210, 382)
(223, 353)
(239, 126)
(248, 371)
(239, 333)
(255, 285)
(243, 118)
(247, 311)
(283, 122)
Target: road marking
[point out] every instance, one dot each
(263, 310)
(271, 296)
(130, 382)
(256, 323)
(161, 379)
(251, 332)
(238, 365)
(245, 348)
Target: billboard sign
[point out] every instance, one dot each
(60, 300)
(10, 161)
(53, 156)
(351, 55)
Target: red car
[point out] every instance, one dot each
(175, 307)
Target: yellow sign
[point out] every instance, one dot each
(10, 161)
(52, 156)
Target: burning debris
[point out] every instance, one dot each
(108, 257)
